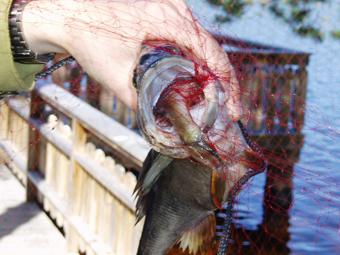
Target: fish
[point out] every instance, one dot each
(200, 157)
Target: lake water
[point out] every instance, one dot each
(312, 224)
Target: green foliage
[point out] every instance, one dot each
(309, 31)
(232, 8)
(336, 34)
(299, 15)
(296, 13)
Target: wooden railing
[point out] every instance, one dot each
(79, 164)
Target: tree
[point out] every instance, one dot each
(296, 13)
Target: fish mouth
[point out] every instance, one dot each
(152, 87)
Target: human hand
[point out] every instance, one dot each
(105, 37)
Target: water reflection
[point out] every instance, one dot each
(272, 235)
(314, 215)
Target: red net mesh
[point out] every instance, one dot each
(273, 94)
(273, 90)
(266, 220)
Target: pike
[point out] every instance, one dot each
(200, 157)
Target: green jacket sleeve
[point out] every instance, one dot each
(13, 76)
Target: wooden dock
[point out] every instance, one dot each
(24, 227)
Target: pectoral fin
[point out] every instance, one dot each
(199, 238)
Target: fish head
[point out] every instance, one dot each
(182, 113)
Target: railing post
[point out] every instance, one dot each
(76, 183)
(33, 144)
(4, 114)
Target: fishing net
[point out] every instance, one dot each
(293, 207)
(273, 92)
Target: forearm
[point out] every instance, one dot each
(43, 25)
(55, 25)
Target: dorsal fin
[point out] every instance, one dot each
(152, 175)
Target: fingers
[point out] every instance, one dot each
(131, 98)
(208, 50)
(128, 96)
(119, 77)
(234, 100)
